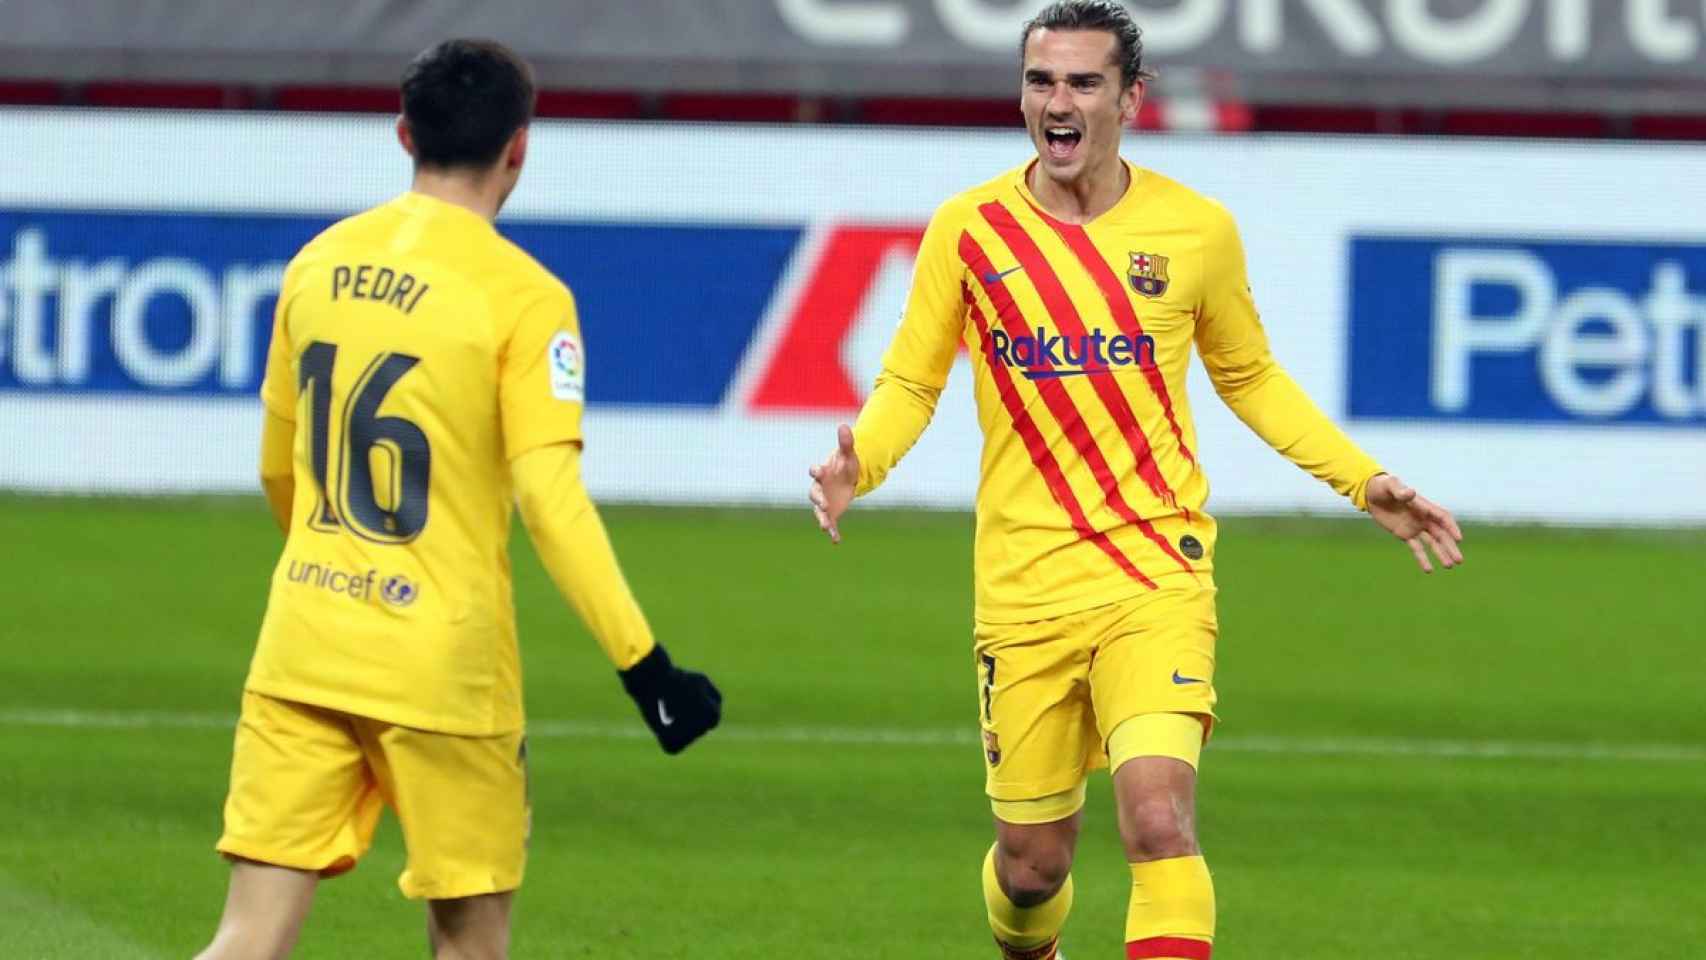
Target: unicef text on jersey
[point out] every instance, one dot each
(1510, 330)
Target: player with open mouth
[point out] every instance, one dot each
(1095, 624)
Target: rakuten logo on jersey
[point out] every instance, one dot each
(1047, 356)
(1528, 331)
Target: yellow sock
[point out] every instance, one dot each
(1024, 933)
(1171, 916)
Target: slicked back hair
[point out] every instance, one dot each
(1107, 15)
(463, 100)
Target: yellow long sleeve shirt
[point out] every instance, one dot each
(1090, 489)
(424, 374)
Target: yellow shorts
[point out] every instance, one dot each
(1051, 692)
(308, 784)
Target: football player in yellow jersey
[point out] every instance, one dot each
(1080, 284)
(424, 374)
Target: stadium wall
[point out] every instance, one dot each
(1517, 327)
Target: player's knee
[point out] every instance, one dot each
(469, 928)
(1157, 827)
(1034, 876)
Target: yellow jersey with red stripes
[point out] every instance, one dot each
(417, 352)
(1091, 490)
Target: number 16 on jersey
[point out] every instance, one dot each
(376, 485)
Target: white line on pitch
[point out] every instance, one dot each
(925, 737)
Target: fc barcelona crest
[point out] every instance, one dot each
(991, 747)
(1148, 274)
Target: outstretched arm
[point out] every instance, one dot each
(1234, 349)
(915, 368)
(892, 420)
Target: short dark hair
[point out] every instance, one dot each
(463, 100)
(1108, 15)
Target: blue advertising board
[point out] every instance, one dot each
(181, 304)
(1527, 331)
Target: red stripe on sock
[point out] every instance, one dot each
(1035, 445)
(1168, 948)
(1120, 303)
(1053, 392)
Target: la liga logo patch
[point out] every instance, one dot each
(567, 363)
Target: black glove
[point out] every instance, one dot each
(679, 705)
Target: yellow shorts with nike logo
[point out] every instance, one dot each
(308, 785)
(1053, 693)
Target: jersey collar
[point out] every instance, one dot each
(420, 204)
(1136, 188)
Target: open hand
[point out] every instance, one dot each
(833, 482)
(1422, 524)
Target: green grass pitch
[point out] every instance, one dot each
(1506, 761)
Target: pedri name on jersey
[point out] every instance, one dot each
(1049, 356)
(395, 590)
(381, 284)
